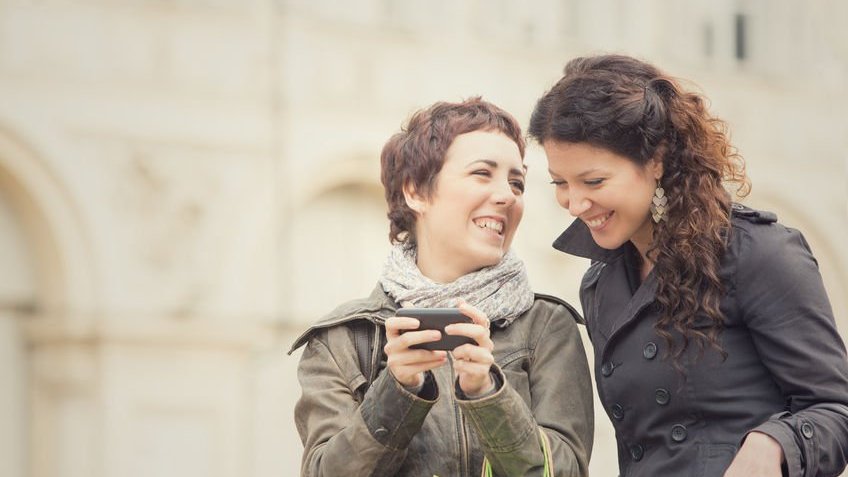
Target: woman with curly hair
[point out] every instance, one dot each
(716, 350)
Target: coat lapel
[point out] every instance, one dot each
(644, 297)
(617, 303)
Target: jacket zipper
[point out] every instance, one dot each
(460, 429)
(464, 443)
(376, 353)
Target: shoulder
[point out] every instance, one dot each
(757, 236)
(349, 316)
(764, 252)
(750, 224)
(553, 307)
(747, 214)
(550, 320)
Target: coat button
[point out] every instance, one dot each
(807, 430)
(678, 433)
(650, 350)
(662, 396)
(381, 432)
(606, 369)
(637, 452)
(617, 412)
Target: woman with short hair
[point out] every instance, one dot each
(517, 399)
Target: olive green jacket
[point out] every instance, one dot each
(351, 429)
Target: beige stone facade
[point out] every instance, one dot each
(186, 184)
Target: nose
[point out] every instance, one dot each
(503, 195)
(577, 203)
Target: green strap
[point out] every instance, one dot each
(546, 451)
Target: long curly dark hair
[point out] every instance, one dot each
(632, 108)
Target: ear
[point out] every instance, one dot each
(655, 168)
(414, 200)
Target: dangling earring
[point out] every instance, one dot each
(658, 205)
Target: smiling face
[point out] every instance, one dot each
(470, 219)
(609, 192)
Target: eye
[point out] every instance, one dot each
(594, 182)
(482, 172)
(517, 185)
(558, 182)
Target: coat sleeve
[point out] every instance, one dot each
(784, 304)
(343, 437)
(561, 394)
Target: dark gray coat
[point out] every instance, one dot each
(785, 375)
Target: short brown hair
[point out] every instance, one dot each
(416, 154)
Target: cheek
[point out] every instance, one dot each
(561, 197)
(518, 211)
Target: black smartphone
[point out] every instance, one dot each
(437, 319)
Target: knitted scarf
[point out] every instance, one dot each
(501, 291)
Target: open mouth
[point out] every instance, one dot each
(491, 224)
(598, 222)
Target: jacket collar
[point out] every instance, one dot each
(377, 303)
(577, 240)
(376, 307)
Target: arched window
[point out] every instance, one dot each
(340, 241)
(17, 301)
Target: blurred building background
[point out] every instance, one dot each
(186, 184)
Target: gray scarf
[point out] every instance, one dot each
(501, 291)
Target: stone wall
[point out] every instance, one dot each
(187, 184)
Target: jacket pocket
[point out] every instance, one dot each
(714, 459)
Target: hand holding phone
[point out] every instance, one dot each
(437, 319)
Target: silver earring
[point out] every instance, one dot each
(659, 205)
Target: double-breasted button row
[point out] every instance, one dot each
(650, 350)
(662, 396)
(637, 452)
(617, 412)
(678, 433)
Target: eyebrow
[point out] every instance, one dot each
(494, 164)
(582, 174)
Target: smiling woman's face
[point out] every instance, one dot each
(609, 192)
(470, 219)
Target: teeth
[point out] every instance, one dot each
(597, 222)
(490, 224)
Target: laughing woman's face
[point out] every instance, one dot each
(610, 193)
(470, 219)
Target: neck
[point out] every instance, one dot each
(642, 240)
(436, 268)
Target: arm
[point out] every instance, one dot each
(561, 393)
(333, 426)
(784, 304)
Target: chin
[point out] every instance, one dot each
(607, 243)
(483, 259)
